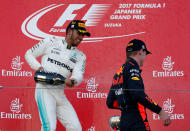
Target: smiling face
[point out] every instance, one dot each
(73, 37)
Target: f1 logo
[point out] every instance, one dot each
(91, 17)
(67, 15)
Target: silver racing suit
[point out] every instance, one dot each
(52, 103)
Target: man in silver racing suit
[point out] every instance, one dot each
(60, 56)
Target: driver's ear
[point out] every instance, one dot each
(140, 52)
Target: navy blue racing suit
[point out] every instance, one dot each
(127, 94)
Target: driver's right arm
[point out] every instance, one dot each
(36, 51)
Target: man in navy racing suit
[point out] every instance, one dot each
(127, 92)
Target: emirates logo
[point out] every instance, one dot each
(16, 111)
(91, 91)
(167, 64)
(91, 85)
(16, 63)
(168, 106)
(16, 106)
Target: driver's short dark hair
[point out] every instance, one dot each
(134, 53)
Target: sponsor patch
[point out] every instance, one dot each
(135, 78)
(130, 44)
